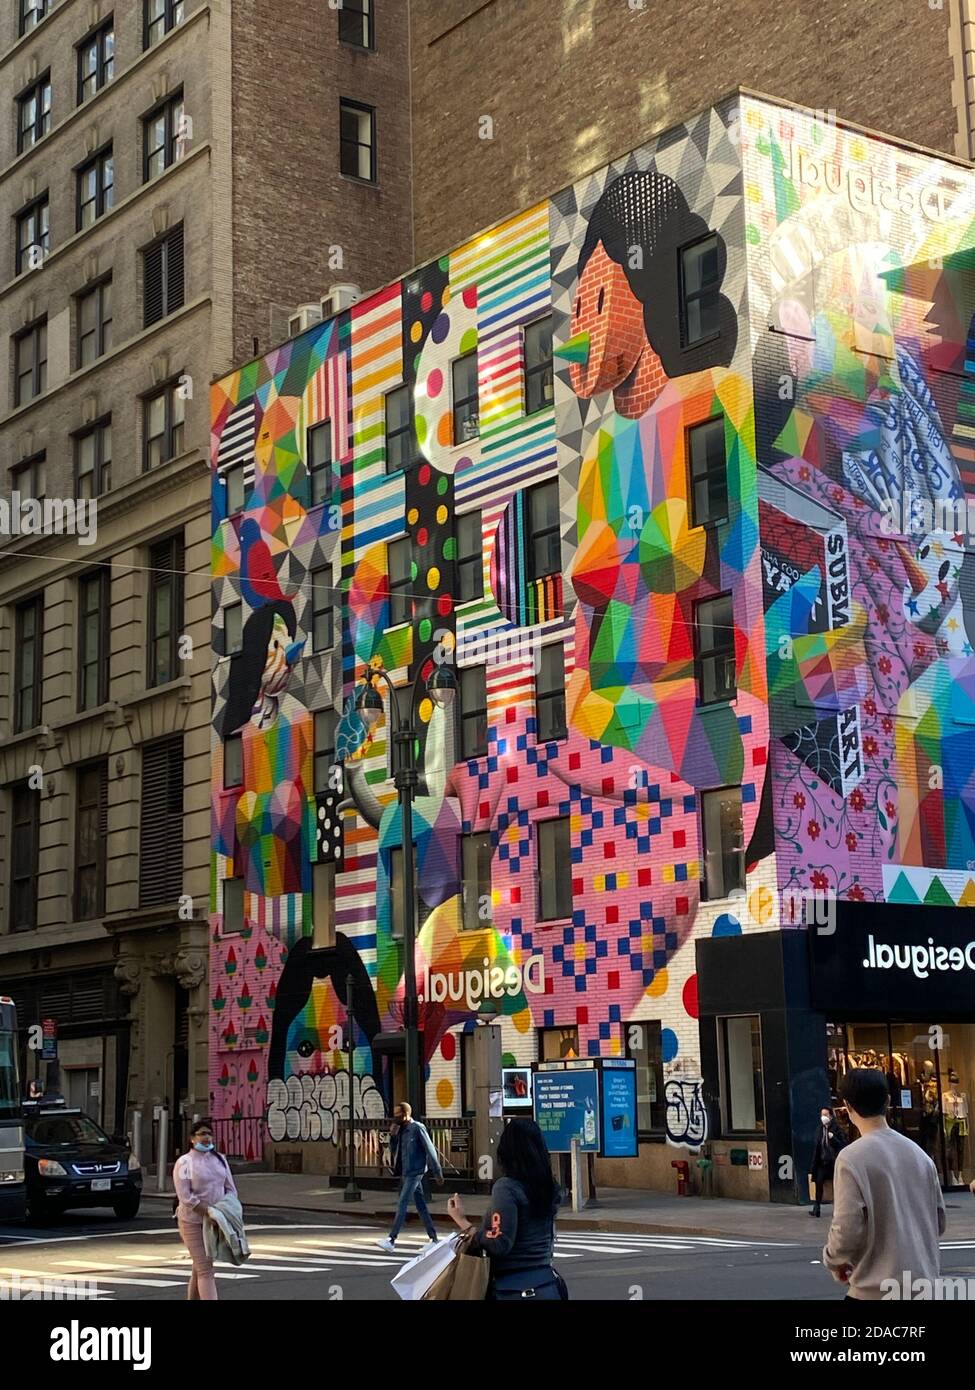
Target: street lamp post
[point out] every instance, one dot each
(352, 1193)
(441, 688)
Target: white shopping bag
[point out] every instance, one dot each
(416, 1276)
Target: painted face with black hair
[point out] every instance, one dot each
(609, 313)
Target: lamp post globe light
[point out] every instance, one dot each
(441, 687)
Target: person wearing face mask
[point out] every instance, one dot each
(829, 1141)
(201, 1178)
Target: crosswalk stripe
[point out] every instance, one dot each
(350, 1257)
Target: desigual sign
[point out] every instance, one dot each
(911, 962)
(490, 982)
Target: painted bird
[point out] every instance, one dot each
(258, 577)
(261, 670)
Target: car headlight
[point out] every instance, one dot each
(16, 1176)
(134, 1164)
(50, 1168)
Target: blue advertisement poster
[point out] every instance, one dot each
(567, 1108)
(619, 1110)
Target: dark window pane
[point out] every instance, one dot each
(554, 869)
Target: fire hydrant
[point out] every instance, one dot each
(683, 1176)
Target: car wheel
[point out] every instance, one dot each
(39, 1212)
(126, 1208)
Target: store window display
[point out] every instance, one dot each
(926, 1065)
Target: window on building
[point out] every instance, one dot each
(93, 460)
(233, 906)
(164, 419)
(550, 693)
(93, 639)
(475, 872)
(323, 906)
(743, 1099)
(96, 188)
(539, 379)
(28, 663)
(95, 336)
(558, 1044)
(32, 12)
(160, 17)
(28, 478)
(554, 869)
(399, 561)
(700, 285)
(165, 609)
(233, 628)
(724, 842)
(323, 613)
(470, 557)
(34, 113)
(161, 830)
(233, 762)
(163, 289)
(161, 132)
(463, 373)
(236, 489)
(473, 712)
(399, 429)
(33, 234)
(708, 472)
(91, 834)
(357, 140)
(714, 626)
(30, 359)
(320, 462)
(25, 827)
(645, 1045)
(326, 722)
(544, 531)
(356, 21)
(397, 893)
(96, 61)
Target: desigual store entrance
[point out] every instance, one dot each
(897, 987)
(930, 1070)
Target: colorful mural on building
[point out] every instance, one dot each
(832, 358)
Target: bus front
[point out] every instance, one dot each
(12, 1192)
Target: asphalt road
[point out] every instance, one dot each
(336, 1257)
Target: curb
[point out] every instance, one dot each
(608, 1224)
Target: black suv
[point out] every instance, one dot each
(69, 1161)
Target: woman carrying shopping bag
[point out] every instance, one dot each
(518, 1231)
(201, 1179)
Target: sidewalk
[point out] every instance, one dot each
(618, 1209)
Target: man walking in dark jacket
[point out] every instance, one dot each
(413, 1153)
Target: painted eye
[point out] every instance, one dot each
(600, 301)
(922, 554)
(277, 645)
(943, 571)
(305, 1048)
(578, 308)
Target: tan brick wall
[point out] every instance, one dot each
(291, 203)
(571, 84)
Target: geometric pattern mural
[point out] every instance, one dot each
(843, 295)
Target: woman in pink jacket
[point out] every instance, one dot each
(200, 1178)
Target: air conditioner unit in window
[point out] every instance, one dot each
(339, 297)
(305, 316)
(471, 428)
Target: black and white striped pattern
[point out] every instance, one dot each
(238, 440)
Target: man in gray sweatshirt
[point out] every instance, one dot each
(888, 1211)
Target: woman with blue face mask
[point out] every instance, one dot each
(201, 1178)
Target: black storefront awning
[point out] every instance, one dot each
(892, 960)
